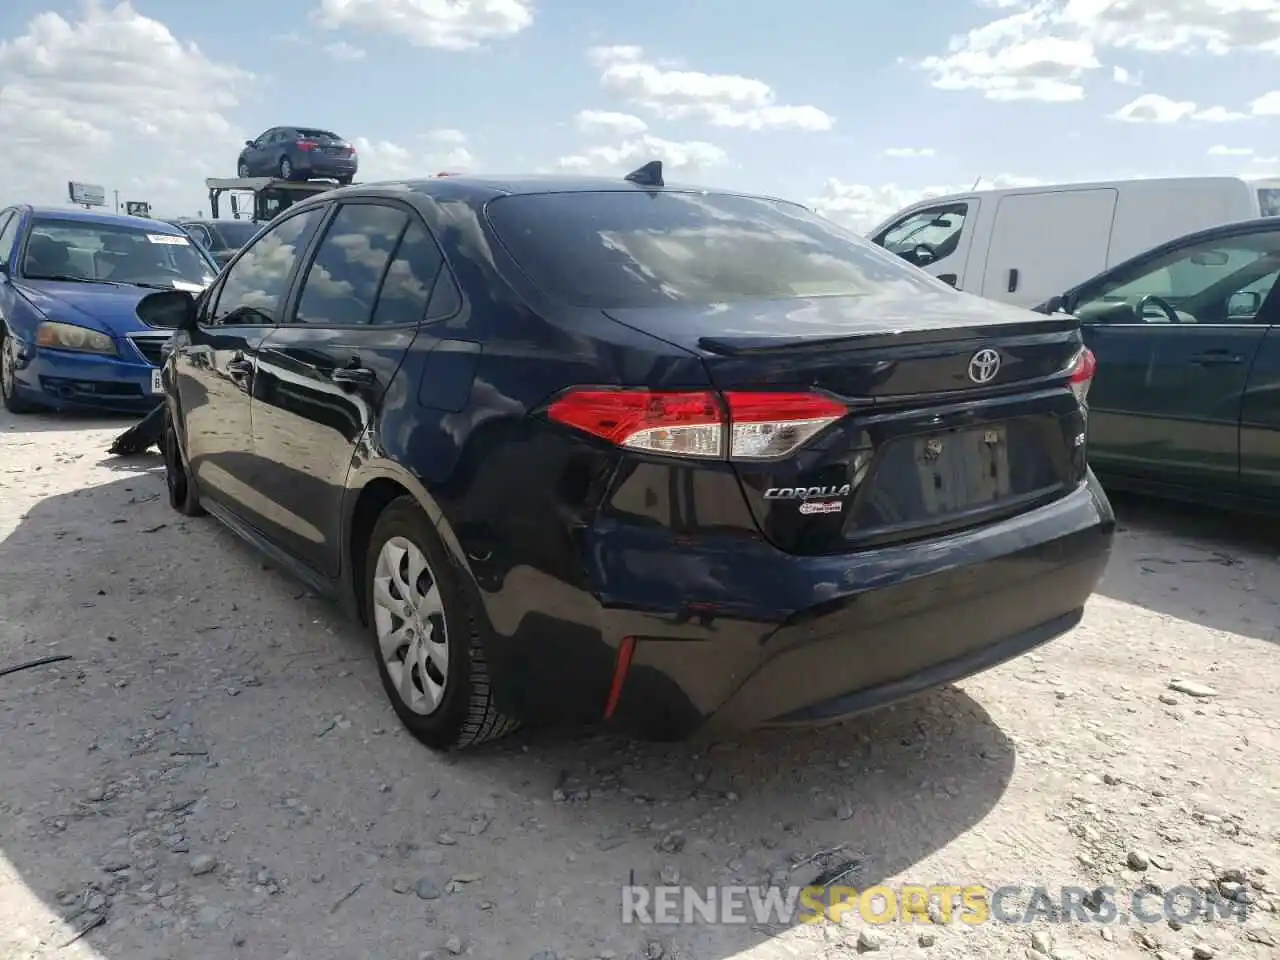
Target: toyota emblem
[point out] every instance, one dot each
(984, 365)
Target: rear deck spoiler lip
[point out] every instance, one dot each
(731, 346)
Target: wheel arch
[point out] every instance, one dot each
(369, 492)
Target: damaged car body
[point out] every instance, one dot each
(677, 460)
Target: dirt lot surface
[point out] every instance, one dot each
(217, 774)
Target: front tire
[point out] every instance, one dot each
(426, 631)
(9, 377)
(242, 171)
(285, 169)
(183, 495)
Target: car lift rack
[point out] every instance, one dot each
(271, 196)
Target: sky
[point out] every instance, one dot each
(855, 108)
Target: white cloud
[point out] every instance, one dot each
(1125, 77)
(690, 157)
(607, 121)
(439, 151)
(344, 51)
(1267, 105)
(114, 98)
(720, 99)
(908, 152)
(442, 24)
(1045, 49)
(1221, 150)
(1154, 108)
(861, 207)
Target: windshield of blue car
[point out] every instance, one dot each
(617, 249)
(77, 250)
(234, 234)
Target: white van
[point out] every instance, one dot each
(1027, 244)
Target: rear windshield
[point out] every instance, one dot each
(634, 249)
(311, 134)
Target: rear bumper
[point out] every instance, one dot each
(326, 166)
(62, 380)
(738, 634)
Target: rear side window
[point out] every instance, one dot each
(406, 288)
(640, 249)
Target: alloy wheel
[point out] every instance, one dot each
(409, 617)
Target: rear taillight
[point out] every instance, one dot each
(305, 145)
(1082, 371)
(739, 425)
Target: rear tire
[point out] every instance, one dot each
(285, 169)
(183, 494)
(242, 171)
(344, 181)
(426, 622)
(9, 379)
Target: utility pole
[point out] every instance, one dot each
(117, 193)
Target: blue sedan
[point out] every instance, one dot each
(70, 281)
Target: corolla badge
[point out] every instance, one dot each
(807, 493)
(984, 365)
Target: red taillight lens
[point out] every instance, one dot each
(739, 425)
(1082, 371)
(305, 145)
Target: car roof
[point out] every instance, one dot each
(106, 219)
(481, 188)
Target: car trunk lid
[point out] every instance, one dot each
(959, 410)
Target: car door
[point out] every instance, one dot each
(257, 153)
(1176, 332)
(215, 364)
(10, 220)
(324, 373)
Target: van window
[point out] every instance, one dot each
(1269, 201)
(926, 236)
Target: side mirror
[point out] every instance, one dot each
(168, 310)
(1053, 304)
(250, 143)
(1247, 303)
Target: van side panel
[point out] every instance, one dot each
(1045, 242)
(1151, 214)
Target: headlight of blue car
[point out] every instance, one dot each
(67, 336)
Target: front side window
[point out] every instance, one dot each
(1212, 281)
(87, 252)
(259, 279)
(926, 236)
(9, 223)
(634, 249)
(342, 284)
(1269, 201)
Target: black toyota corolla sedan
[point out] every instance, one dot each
(675, 459)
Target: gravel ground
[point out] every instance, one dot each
(216, 772)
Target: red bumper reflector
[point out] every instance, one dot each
(626, 650)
